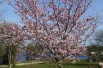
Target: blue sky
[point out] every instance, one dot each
(96, 6)
(9, 14)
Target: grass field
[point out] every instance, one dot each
(81, 64)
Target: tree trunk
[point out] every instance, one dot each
(56, 61)
(14, 61)
(9, 57)
(59, 65)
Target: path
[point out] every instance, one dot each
(19, 64)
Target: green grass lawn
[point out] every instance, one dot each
(81, 64)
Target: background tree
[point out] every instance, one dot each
(97, 50)
(58, 26)
(33, 51)
(10, 36)
(29, 52)
(2, 49)
(99, 37)
(97, 45)
(2, 52)
(15, 50)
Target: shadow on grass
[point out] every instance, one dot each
(79, 65)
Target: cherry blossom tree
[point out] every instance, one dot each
(10, 35)
(58, 26)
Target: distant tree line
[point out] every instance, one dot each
(95, 49)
